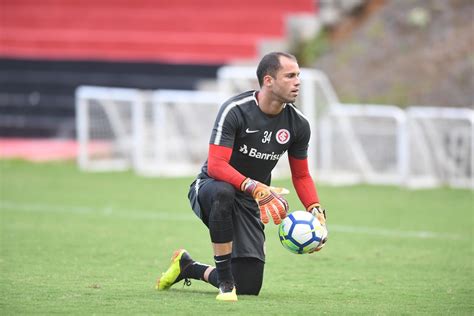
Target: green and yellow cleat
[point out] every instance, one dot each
(227, 292)
(179, 262)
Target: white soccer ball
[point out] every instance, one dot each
(300, 232)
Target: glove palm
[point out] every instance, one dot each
(269, 200)
(320, 214)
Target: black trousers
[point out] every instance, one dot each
(233, 216)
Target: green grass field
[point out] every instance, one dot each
(80, 243)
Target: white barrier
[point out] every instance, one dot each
(166, 132)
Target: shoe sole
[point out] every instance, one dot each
(222, 298)
(227, 297)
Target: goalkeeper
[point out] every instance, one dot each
(232, 194)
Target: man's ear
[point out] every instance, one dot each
(268, 80)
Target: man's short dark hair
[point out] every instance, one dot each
(270, 64)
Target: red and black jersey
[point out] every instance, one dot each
(256, 139)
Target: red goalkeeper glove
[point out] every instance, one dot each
(269, 200)
(320, 214)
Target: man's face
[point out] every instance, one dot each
(285, 85)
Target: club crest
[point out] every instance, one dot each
(282, 136)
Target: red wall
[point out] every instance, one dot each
(203, 31)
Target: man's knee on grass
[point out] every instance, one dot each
(248, 275)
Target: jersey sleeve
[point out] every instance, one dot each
(303, 182)
(219, 167)
(226, 127)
